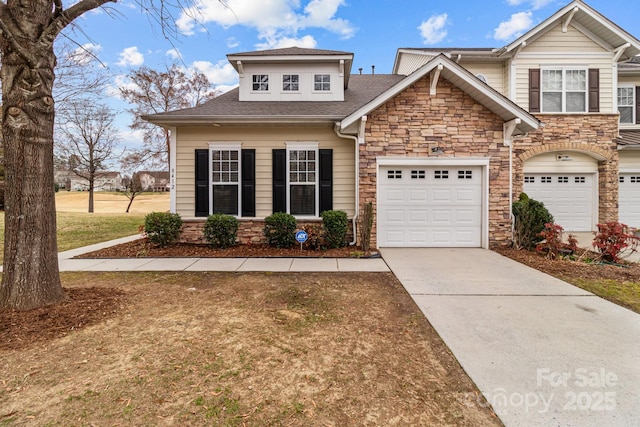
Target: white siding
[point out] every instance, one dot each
(306, 74)
(263, 139)
(410, 62)
(572, 48)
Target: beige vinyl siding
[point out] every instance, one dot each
(629, 80)
(263, 139)
(570, 49)
(629, 161)
(493, 72)
(410, 62)
(549, 163)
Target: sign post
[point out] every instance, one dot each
(301, 236)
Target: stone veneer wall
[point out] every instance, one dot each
(414, 121)
(593, 134)
(249, 231)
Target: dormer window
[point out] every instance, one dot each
(290, 82)
(261, 82)
(322, 82)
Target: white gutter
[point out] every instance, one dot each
(507, 129)
(357, 140)
(172, 169)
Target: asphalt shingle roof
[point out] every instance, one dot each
(629, 138)
(291, 51)
(362, 89)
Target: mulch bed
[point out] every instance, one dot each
(141, 248)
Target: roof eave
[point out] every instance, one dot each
(503, 107)
(212, 120)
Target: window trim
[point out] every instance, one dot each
(564, 90)
(297, 83)
(303, 146)
(322, 83)
(253, 83)
(225, 146)
(633, 103)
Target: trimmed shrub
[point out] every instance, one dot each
(221, 230)
(335, 225)
(530, 217)
(280, 230)
(612, 238)
(162, 228)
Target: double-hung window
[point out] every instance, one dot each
(626, 104)
(290, 82)
(260, 82)
(322, 82)
(564, 90)
(225, 179)
(302, 172)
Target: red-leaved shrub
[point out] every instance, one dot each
(552, 242)
(612, 238)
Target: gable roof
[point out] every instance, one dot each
(465, 81)
(291, 51)
(589, 21)
(227, 108)
(629, 139)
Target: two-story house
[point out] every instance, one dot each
(441, 147)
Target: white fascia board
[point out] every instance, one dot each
(199, 120)
(529, 122)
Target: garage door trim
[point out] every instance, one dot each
(483, 162)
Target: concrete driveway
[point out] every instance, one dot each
(542, 352)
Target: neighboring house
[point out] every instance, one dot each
(153, 181)
(104, 181)
(440, 148)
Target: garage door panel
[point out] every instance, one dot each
(439, 210)
(569, 198)
(629, 204)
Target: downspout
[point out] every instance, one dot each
(357, 140)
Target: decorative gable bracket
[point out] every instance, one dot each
(508, 129)
(567, 19)
(435, 76)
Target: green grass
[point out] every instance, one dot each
(626, 294)
(81, 229)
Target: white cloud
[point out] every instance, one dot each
(174, 54)
(131, 57)
(232, 43)
(433, 29)
(535, 4)
(276, 41)
(85, 54)
(282, 18)
(514, 27)
(220, 73)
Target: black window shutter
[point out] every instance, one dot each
(248, 167)
(279, 169)
(594, 90)
(534, 90)
(638, 105)
(202, 182)
(326, 180)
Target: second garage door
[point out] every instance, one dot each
(629, 204)
(430, 206)
(569, 198)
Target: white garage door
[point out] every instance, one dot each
(629, 202)
(420, 206)
(569, 197)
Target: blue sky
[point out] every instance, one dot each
(125, 38)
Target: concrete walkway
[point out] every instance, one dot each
(542, 352)
(68, 263)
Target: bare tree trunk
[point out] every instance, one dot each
(130, 203)
(31, 277)
(91, 187)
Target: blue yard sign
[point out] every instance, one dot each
(301, 236)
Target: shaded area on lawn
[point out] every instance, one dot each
(238, 349)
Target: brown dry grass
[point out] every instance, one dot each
(104, 202)
(241, 349)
